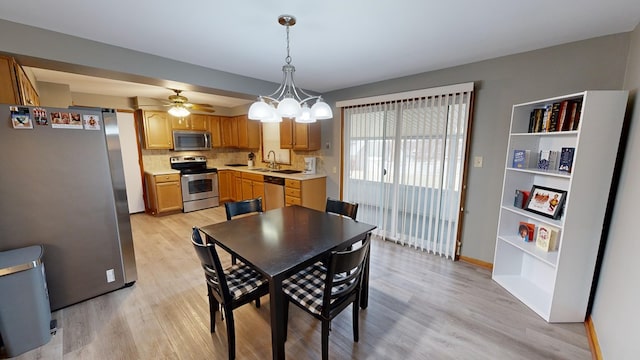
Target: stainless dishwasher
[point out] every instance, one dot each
(273, 192)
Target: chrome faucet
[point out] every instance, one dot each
(272, 163)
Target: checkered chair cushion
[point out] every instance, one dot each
(243, 279)
(306, 287)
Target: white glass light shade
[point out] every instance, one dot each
(305, 115)
(179, 111)
(272, 117)
(289, 107)
(259, 110)
(321, 110)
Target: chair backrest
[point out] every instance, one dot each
(213, 272)
(243, 207)
(344, 273)
(342, 208)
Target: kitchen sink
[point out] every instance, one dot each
(261, 169)
(287, 171)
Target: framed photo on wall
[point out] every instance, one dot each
(546, 201)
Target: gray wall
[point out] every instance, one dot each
(595, 64)
(615, 312)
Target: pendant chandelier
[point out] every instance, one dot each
(288, 100)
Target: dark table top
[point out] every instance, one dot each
(279, 240)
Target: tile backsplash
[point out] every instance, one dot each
(158, 160)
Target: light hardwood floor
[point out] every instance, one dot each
(421, 306)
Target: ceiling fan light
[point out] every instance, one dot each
(179, 111)
(289, 107)
(321, 110)
(305, 115)
(259, 110)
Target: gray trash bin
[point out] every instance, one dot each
(25, 314)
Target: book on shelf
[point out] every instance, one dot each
(553, 118)
(564, 115)
(566, 159)
(575, 117)
(548, 160)
(526, 231)
(546, 116)
(547, 237)
(521, 198)
(521, 159)
(538, 115)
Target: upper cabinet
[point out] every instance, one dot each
(238, 132)
(15, 86)
(157, 129)
(299, 136)
(248, 132)
(229, 131)
(216, 131)
(191, 122)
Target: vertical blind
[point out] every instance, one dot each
(403, 164)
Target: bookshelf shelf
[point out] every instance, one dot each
(556, 284)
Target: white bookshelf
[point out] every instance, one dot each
(556, 284)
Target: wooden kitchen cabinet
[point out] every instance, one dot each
(15, 86)
(156, 129)
(310, 193)
(229, 131)
(163, 193)
(216, 132)
(191, 122)
(237, 186)
(299, 136)
(248, 132)
(225, 185)
(252, 187)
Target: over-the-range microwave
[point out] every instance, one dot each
(185, 140)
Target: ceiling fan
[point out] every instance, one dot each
(181, 107)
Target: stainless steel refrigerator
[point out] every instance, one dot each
(62, 186)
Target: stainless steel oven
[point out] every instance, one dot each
(199, 191)
(198, 182)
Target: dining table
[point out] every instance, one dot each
(282, 241)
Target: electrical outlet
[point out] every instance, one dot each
(335, 170)
(477, 161)
(111, 276)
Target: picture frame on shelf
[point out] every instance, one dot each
(546, 201)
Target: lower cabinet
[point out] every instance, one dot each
(308, 193)
(252, 187)
(226, 185)
(163, 193)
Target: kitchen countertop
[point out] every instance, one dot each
(298, 176)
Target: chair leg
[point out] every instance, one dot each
(213, 308)
(258, 303)
(356, 335)
(325, 339)
(231, 334)
(233, 259)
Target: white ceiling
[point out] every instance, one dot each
(335, 43)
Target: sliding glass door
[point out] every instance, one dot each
(404, 164)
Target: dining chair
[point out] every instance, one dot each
(230, 288)
(324, 292)
(340, 207)
(242, 207)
